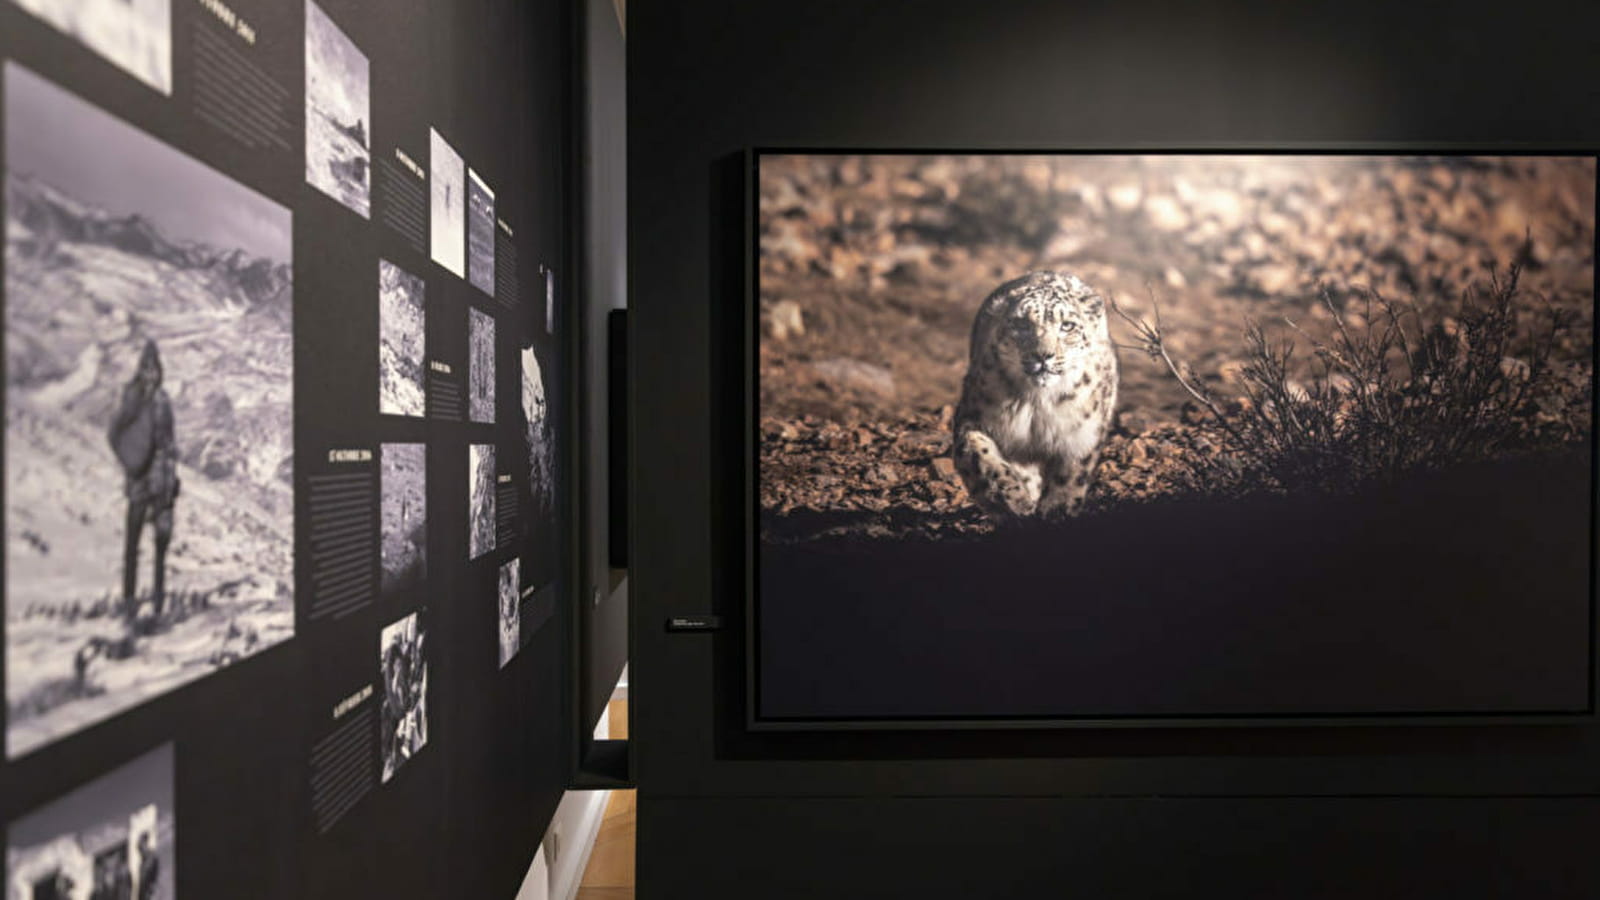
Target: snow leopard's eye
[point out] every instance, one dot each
(1021, 327)
(1068, 326)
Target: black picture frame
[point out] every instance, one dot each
(747, 321)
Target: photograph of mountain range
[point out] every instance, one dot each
(338, 114)
(114, 838)
(447, 174)
(480, 500)
(149, 466)
(480, 366)
(403, 484)
(134, 34)
(402, 341)
(480, 233)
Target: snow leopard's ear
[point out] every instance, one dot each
(995, 304)
(1085, 296)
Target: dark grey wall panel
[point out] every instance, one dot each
(708, 80)
(605, 269)
(1145, 847)
(276, 753)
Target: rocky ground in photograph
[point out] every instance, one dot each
(871, 269)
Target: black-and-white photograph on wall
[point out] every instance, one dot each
(549, 299)
(136, 35)
(149, 430)
(480, 233)
(338, 114)
(480, 500)
(541, 453)
(402, 341)
(404, 515)
(510, 600)
(447, 175)
(403, 660)
(480, 366)
(114, 838)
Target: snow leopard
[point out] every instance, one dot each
(1038, 397)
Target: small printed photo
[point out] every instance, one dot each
(338, 114)
(404, 484)
(448, 196)
(112, 838)
(403, 661)
(480, 504)
(510, 601)
(535, 412)
(549, 299)
(136, 35)
(402, 341)
(480, 367)
(480, 233)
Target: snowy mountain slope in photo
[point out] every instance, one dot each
(402, 336)
(405, 515)
(480, 365)
(480, 500)
(447, 202)
(541, 479)
(85, 290)
(480, 233)
(134, 34)
(338, 114)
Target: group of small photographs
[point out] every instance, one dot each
(136, 35)
(114, 837)
(480, 366)
(480, 233)
(403, 665)
(402, 342)
(404, 515)
(510, 603)
(480, 500)
(149, 418)
(338, 114)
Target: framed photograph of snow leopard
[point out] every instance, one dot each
(1169, 438)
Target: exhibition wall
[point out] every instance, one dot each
(1327, 810)
(602, 165)
(288, 407)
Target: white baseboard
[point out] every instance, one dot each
(557, 869)
(569, 841)
(536, 884)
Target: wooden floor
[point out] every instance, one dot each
(609, 875)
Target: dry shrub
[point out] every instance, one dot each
(1396, 389)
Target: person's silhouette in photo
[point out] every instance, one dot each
(142, 436)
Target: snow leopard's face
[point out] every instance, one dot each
(1039, 322)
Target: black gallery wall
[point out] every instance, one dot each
(342, 229)
(1459, 810)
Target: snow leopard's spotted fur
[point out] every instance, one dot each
(1038, 397)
